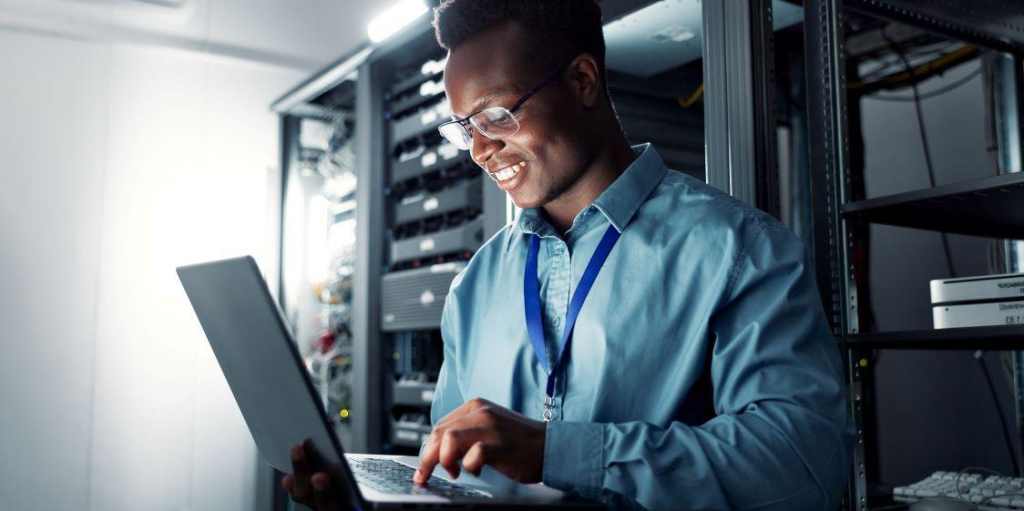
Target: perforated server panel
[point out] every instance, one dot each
(463, 195)
(410, 430)
(413, 393)
(463, 238)
(413, 299)
(430, 159)
(422, 122)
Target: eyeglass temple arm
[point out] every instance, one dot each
(547, 81)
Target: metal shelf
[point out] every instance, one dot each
(975, 338)
(990, 207)
(997, 24)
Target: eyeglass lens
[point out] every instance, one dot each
(494, 123)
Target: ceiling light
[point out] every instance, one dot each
(165, 3)
(675, 34)
(394, 19)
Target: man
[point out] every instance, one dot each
(700, 373)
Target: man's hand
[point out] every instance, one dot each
(482, 433)
(308, 484)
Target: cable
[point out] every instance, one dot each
(884, 68)
(924, 140)
(694, 96)
(932, 93)
(884, 65)
(991, 139)
(927, 70)
(999, 409)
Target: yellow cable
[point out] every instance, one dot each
(695, 96)
(925, 70)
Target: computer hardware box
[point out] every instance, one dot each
(980, 288)
(413, 299)
(1009, 312)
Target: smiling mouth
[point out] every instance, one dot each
(508, 172)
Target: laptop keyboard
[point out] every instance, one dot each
(388, 476)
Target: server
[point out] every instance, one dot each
(434, 203)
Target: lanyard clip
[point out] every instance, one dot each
(549, 408)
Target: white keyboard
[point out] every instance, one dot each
(988, 492)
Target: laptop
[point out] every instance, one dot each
(258, 356)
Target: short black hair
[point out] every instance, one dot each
(559, 29)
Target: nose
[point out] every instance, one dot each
(482, 148)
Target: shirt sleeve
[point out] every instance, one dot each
(447, 396)
(781, 438)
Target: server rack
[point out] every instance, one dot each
(423, 208)
(317, 196)
(987, 208)
(435, 206)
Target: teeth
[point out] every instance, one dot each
(505, 174)
(509, 172)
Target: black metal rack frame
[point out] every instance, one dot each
(992, 207)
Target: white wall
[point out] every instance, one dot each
(120, 162)
(51, 186)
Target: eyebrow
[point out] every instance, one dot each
(478, 105)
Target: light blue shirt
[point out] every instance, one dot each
(702, 373)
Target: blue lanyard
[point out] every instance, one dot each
(531, 297)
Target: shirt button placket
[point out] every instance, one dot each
(565, 269)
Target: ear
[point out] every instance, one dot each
(584, 76)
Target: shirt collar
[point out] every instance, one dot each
(618, 203)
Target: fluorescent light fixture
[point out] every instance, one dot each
(165, 3)
(394, 19)
(675, 34)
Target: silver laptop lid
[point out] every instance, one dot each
(259, 359)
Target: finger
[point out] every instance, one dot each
(321, 481)
(453, 417)
(430, 451)
(288, 483)
(463, 410)
(448, 453)
(454, 445)
(323, 495)
(300, 460)
(475, 458)
(429, 455)
(301, 470)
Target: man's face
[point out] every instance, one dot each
(490, 70)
